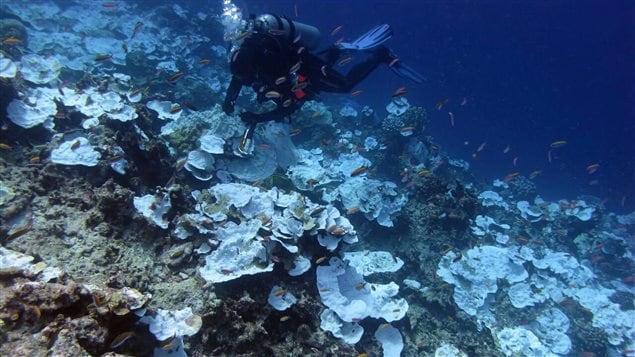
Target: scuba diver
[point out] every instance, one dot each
(275, 59)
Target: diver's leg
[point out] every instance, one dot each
(340, 84)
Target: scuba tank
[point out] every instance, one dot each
(282, 26)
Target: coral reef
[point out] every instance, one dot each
(130, 227)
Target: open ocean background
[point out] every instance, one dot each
(533, 72)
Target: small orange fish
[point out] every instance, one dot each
(189, 106)
(137, 28)
(400, 91)
(534, 174)
(356, 93)
(352, 210)
(235, 55)
(441, 103)
(12, 41)
(110, 5)
(360, 286)
(75, 145)
(273, 94)
(37, 311)
(385, 326)
(316, 212)
(558, 144)
(339, 231)
(180, 163)
(265, 220)
(175, 77)
(280, 80)
(396, 310)
(285, 318)
(204, 61)
(336, 30)
(35, 160)
(168, 344)
(4, 146)
(407, 130)
(458, 257)
(279, 292)
(175, 109)
(423, 172)
(135, 91)
(295, 67)
(170, 181)
(256, 183)
(510, 176)
(121, 338)
(320, 260)
(264, 146)
(358, 171)
(242, 35)
(323, 70)
(447, 250)
(345, 60)
(295, 132)
(591, 169)
(103, 57)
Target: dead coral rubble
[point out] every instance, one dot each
(63, 318)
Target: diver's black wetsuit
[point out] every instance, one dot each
(264, 59)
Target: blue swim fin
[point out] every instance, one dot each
(405, 71)
(370, 39)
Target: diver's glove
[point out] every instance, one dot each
(228, 107)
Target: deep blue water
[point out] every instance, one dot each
(533, 72)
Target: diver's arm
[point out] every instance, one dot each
(277, 114)
(232, 93)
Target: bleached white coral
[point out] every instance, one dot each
(390, 339)
(77, 151)
(8, 68)
(367, 263)
(349, 332)
(38, 69)
(168, 324)
(164, 109)
(35, 109)
(476, 274)
(280, 298)
(344, 291)
(154, 208)
(239, 253)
